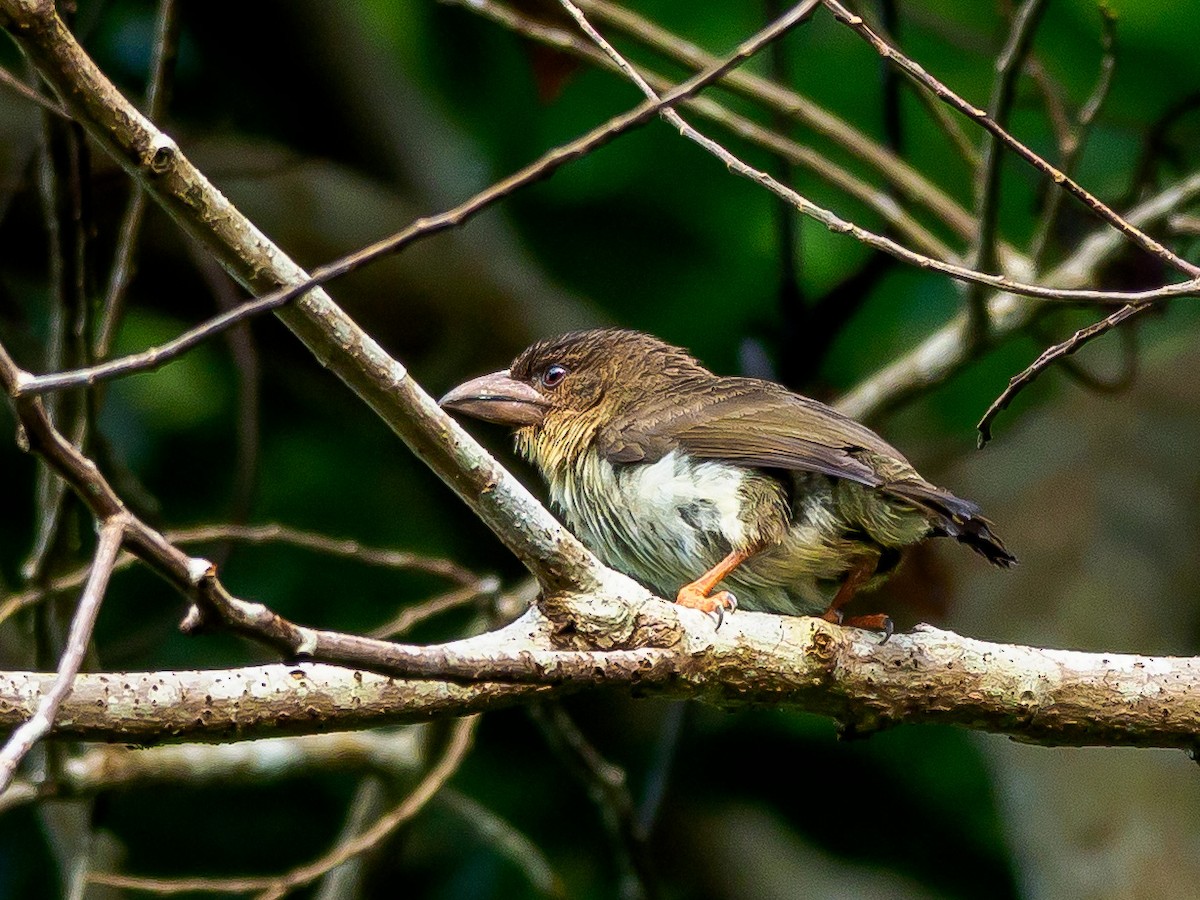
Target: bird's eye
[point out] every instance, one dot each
(553, 375)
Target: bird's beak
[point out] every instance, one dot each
(497, 398)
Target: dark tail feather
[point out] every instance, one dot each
(956, 518)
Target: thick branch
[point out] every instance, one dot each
(1052, 697)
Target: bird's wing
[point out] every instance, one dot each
(756, 424)
(763, 425)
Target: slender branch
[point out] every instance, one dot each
(80, 635)
(908, 181)
(162, 64)
(461, 737)
(1027, 376)
(946, 351)
(164, 156)
(923, 78)
(830, 219)
(411, 616)
(987, 183)
(608, 788)
(507, 841)
(272, 533)
(15, 84)
(793, 152)
(1075, 138)
(276, 886)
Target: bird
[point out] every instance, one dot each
(721, 491)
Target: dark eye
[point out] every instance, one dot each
(553, 375)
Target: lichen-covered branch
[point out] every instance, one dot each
(1052, 697)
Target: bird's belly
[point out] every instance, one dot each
(663, 523)
(666, 523)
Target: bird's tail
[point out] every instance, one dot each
(956, 518)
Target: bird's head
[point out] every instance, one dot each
(560, 391)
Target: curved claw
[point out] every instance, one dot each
(714, 607)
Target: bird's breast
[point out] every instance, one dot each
(663, 522)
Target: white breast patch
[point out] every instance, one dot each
(659, 522)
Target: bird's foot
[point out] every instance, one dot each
(873, 622)
(713, 606)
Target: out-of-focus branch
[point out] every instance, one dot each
(162, 64)
(1074, 139)
(946, 351)
(914, 71)
(1009, 64)
(273, 887)
(607, 786)
(78, 638)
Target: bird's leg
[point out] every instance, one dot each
(697, 594)
(856, 578)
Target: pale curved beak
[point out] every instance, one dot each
(497, 398)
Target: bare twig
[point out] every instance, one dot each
(607, 786)
(1074, 139)
(943, 353)
(411, 616)
(15, 84)
(242, 348)
(272, 533)
(987, 182)
(1027, 376)
(40, 723)
(837, 224)
(165, 154)
(275, 886)
(461, 737)
(923, 78)
(162, 64)
(504, 837)
(909, 182)
(1114, 384)
(793, 152)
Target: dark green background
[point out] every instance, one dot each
(334, 124)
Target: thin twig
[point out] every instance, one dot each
(882, 203)
(506, 840)
(1026, 377)
(936, 359)
(907, 180)
(987, 183)
(837, 224)
(914, 71)
(13, 83)
(411, 616)
(425, 227)
(242, 348)
(607, 787)
(1115, 384)
(461, 736)
(162, 64)
(1075, 139)
(271, 533)
(23, 738)
(271, 887)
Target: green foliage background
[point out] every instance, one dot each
(333, 124)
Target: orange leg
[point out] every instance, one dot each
(856, 578)
(696, 595)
